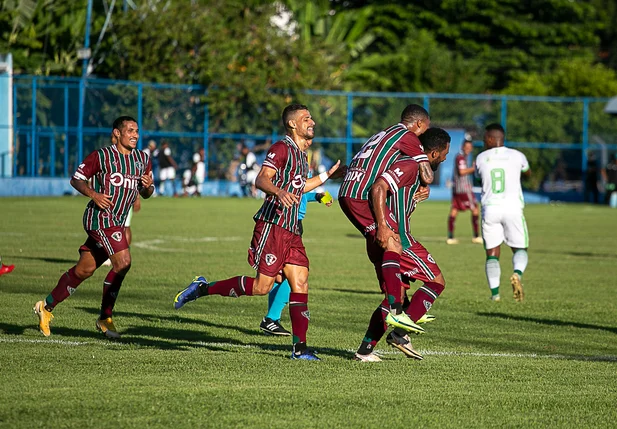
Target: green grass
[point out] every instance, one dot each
(548, 362)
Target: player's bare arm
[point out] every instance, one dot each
(379, 192)
(426, 173)
(263, 182)
(337, 171)
(101, 200)
(147, 182)
(467, 171)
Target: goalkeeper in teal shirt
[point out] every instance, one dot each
(278, 297)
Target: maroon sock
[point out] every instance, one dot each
(376, 328)
(111, 288)
(67, 284)
(233, 287)
(423, 299)
(451, 220)
(474, 224)
(299, 314)
(391, 269)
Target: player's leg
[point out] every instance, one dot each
(517, 237)
(67, 284)
(376, 329)
(493, 235)
(277, 300)
(451, 222)
(475, 217)
(298, 310)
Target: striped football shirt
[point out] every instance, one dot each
(462, 184)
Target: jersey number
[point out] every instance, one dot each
(498, 180)
(369, 146)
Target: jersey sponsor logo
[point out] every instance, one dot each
(117, 179)
(398, 172)
(421, 148)
(411, 273)
(271, 155)
(354, 175)
(298, 181)
(117, 236)
(430, 259)
(371, 227)
(270, 259)
(306, 314)
(392, 217)
(427, 305)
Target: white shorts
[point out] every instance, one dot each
(507, 226)
(167, 173)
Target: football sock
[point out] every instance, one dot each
(451, 220)
(278, 299)
(299, 314)
(474, 224)
(234, 287)
(67, 284)
(493, 273)
(391, 268)
(519, 261)
(111, 288)
(423, 299)
(376, 328)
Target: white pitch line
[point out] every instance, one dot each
(601, 358)
(154, 244)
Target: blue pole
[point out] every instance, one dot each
(52, 159)
(33, 130)
(84, 65)
(504, 114)
(349, 130)
(140, 112)
(206, 138)
(66, 130)
(82, 87)
(15, 130)
(426, 103)
(585, 143)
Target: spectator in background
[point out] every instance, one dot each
(609, 175)
(168, 169)
(153, 152)
(591, 180)
(248, 172)
(193, 178)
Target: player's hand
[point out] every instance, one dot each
(384, 234)
(337, 171)
(325, 198)
(287, 199)
(147, 180)
(422, 194)
(102, 200)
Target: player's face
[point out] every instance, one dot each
(437, 157)
(127, 136)
(305, 126)
(467, 148)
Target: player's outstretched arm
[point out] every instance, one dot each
(335, 172)
(147, 183)
(426, 173)
(82, 186)
(263, 182)
(379, 192)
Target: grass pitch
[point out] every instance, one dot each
(550, 361)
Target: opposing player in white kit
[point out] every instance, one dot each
(503, 220)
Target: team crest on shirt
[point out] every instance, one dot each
(270, 259)
(430, 259)
(117, 236)
(139, 165)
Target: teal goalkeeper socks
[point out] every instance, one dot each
(278, 299)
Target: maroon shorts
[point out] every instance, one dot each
(273, 247)
(359, 213)
(462, 202)
(103, 243)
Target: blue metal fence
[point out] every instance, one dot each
(57, 121)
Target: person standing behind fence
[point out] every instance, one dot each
(609, 175)
(168, 169)
(591, 180)
(120, 173)
(153, 152)
(462, 193)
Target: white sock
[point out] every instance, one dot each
(519, 261)
(493, 273)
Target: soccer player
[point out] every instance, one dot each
(462, 194)
(279, 295)
(120, 173)
(375, 157)
(397, 192)
(277, 244)
(5, 269)
(500, 170)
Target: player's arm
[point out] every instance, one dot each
(263, 182)
(333, 173)
(83, 187)
(426, 173)
(147, 188)
(466, 171)
(378, 195)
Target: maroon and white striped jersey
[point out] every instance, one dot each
(291, 167)
(376, 156)
(462, 184)
(114, 174)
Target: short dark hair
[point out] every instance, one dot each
(434, 139)
(495, 127)
(119, 123)
(289, 111)
(413, 113)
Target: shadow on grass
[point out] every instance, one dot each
(358, 235)
(354, 291)
(578, 254)
(46, 259)
(552, 322)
